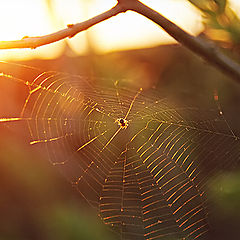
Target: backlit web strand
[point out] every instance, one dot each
(146, 172)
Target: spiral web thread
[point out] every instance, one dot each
(148, 180)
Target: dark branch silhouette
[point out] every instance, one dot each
(207, 50)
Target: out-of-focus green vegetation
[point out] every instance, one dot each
(225, 196)
(227, 190)
(36, 202)
(222, 23)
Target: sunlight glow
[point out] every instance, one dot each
(26, 18)
(131, 30)
(125, 31)
(235, 4)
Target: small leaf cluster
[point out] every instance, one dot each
(222, 23)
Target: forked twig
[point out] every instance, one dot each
(70, 31)
(207, 50)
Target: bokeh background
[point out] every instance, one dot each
(36, 202)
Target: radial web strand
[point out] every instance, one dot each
(140, 161)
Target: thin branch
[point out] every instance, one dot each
(70, 31)
(207, 50)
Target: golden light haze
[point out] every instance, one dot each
(25, 18)
(125, 31)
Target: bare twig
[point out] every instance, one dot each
(70, 31)
(208, 50)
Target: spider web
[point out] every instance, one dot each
(147, 181)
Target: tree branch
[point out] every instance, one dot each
(207, 50)
(70, 31)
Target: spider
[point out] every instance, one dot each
(122, 122)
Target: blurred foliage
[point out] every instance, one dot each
(222, 23)
(69, 222)
(36, 202)
(225, 195)
(227, 190)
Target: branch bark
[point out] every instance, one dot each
(207, 50)
(70, 31)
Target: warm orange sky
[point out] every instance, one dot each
(128, 30)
